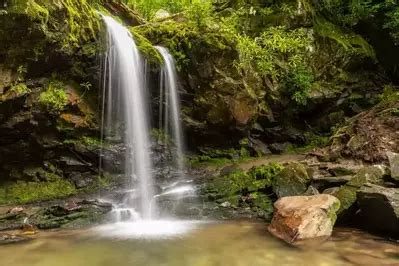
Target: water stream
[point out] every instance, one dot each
(126, 110)
(169, 107)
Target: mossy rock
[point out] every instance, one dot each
(347, 193)
(262, 204)
(293, 180)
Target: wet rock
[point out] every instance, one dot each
(394, 164)
(304, 217)
(81, 180)
(71, 215)
(291, 181)
(12, 239)
(12, 220)
(379, 208)
(72, 164)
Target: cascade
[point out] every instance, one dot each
(169, 107)
(125, 110)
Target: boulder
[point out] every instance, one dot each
(347, 193)
(291, 181)
(394, 164)
(379, 208)
(304, 217)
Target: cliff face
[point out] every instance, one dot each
(49, 120)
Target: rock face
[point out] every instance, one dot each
(304, 217)
(394, 164)
(379, 208)
(292, 181)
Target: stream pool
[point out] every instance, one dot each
(207, 244)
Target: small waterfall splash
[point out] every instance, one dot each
(125, 110)
(169, 107)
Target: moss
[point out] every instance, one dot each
(347, 197)
(349, 41)
(291, 181)
(54, 98)
(266, 172)
(24, 192)
(332, 212)
(146, 48)
(242, 183)
(347, 193)
(262, 204)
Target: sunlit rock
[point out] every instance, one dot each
(304, 217)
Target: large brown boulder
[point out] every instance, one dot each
(304, 217)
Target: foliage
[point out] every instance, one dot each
(20, 89)
(390, 94)
(278, 54)
(200, 13)
(267, 172)
(55, 97)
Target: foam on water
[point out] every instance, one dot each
(148, 229)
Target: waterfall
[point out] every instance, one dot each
(125, 110)
(169, 107)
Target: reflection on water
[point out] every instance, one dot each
(238, 243)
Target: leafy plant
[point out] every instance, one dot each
(55, 97)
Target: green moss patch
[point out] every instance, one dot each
(25, 192)
(54, 98)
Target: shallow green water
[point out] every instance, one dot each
(230, 244)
